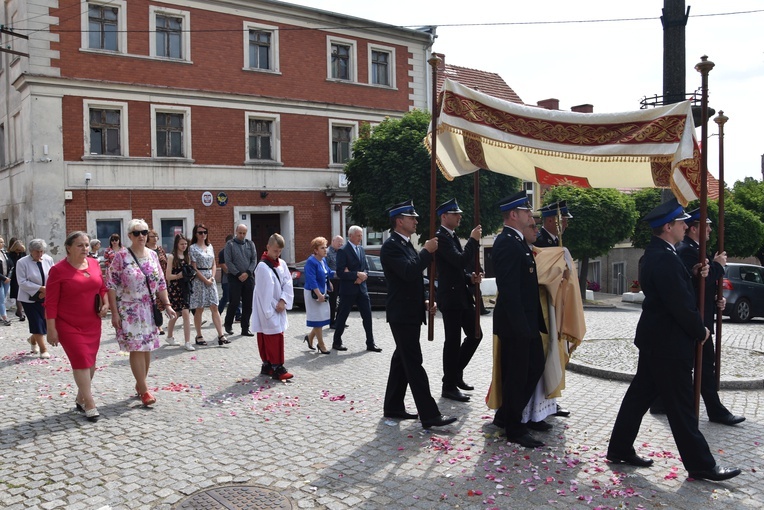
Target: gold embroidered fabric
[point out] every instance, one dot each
(640, 149)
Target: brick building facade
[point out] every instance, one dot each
(154, 110)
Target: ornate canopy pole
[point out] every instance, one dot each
(720, 120)
(703, 67)
(433, 61)
(476, 216)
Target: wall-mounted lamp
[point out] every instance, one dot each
(88, 176)
(263, 194)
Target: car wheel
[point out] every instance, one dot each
(741, 312)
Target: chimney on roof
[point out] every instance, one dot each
(549, 104)
(583, 108)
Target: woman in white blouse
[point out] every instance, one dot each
(32, 274)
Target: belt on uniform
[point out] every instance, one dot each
(203, 268)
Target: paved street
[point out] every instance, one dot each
(321, 440)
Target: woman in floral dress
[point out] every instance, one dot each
(205, 290)
(179, 289)
(132, 311)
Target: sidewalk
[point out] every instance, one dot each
(320, 441)
(611, 354)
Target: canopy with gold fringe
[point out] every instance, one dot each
(640, 149)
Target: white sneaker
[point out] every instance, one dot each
(45, 355)
(189, 347)
(171, 341)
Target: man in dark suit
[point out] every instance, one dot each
(517, 318)
(689, 251)
(331, 261)
(554, 221)
(456, 303)
(353, 271)
(668, 331)
(406, 311)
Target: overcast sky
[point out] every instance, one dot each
(611, 65)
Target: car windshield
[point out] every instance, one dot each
(374, 263)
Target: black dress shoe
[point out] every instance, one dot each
(464, 386)
(564, 413)
(730, 419)
(455, 395)
(247, 332)
(540, 426)
(525, 440)
(401, 415)
(632, 460)
(440, 421)
(373, 348)
(339, 348)
(229, 332)
(716, 473)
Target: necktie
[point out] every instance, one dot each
(358, 252)
(42, 273)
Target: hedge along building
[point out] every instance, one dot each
(184, 112)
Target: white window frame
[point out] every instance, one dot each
(276, 138)
(122, 215)
(187, 215)
(87, 104)
(185, 35)
(121, 25)
(353, 71)
(274, 30)
(162, 108)
(353, 137)
(390, 64)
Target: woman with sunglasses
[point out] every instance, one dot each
(205, 291)
(115, 244)
(134, 278)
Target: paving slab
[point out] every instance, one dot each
(321, 440)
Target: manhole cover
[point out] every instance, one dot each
(235, 497)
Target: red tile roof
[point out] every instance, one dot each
(483, 81)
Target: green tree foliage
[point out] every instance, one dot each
(749, 193)
(601, 219)
(743, 231)
(645, 201)
(391, 164)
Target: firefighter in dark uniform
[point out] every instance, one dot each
(517, 318)
(689, 250)
(455, 299)
(667, 333)
(406, 311)
(552, 226)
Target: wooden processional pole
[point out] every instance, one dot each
(433, 61)
(703, 67)
(720, 119)
(476, 216)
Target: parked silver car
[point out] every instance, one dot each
(743, 286)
